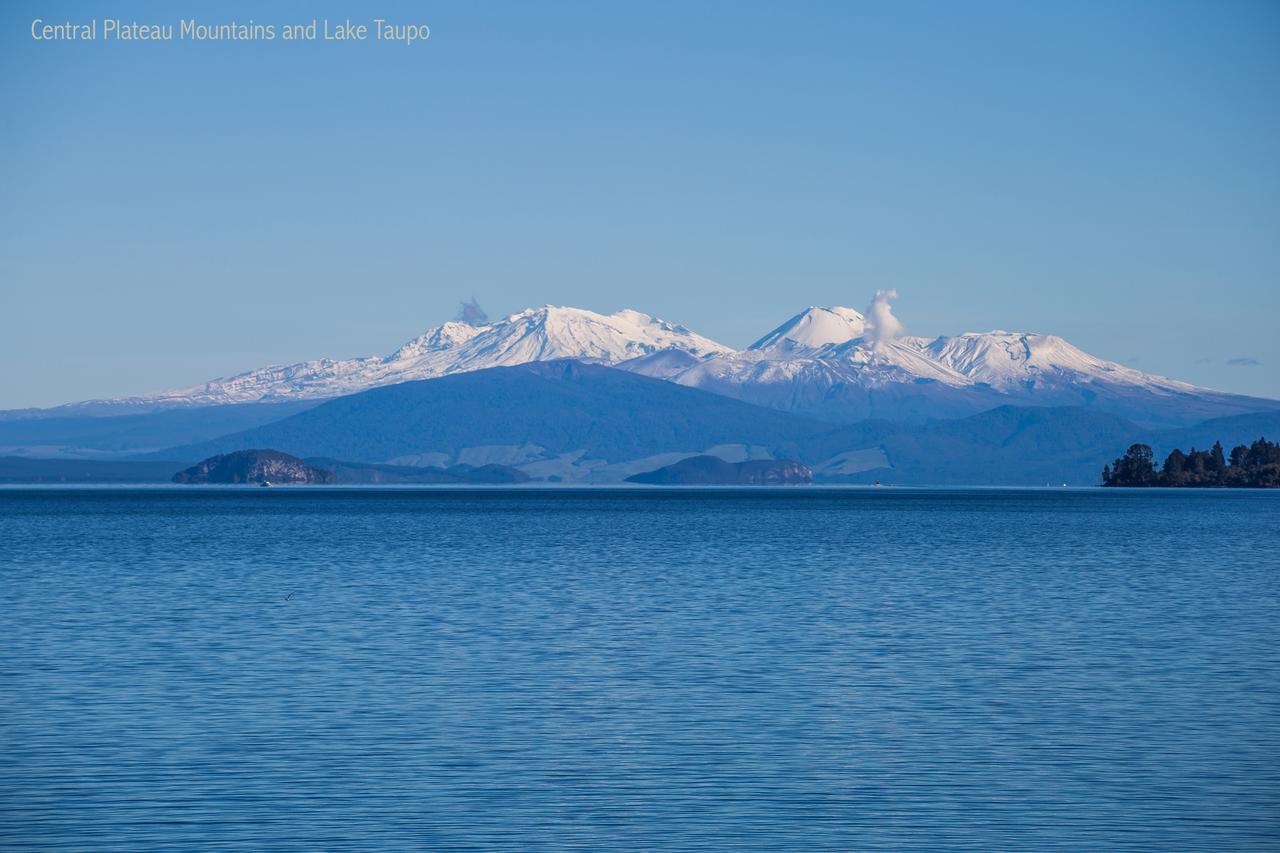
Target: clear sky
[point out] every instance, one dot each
(1109, 172)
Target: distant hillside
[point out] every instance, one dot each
(1237, 429)
(20, 469)
(713, 471)
(1014, 446)
(1006, 446)
(365, 473)
(34, 433)
(516, 415)
(570, 422)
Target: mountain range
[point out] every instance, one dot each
(570, 422)
(567, 395)
(830, 364)
(538, 334)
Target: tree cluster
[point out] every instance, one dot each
(1255, 466)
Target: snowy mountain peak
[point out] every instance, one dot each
(1007, 360)
(813, 328)
(539, 334)
(445, 336)
(536, 334)
(831, 363)
(836, 364)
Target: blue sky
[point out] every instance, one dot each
(1103, 171)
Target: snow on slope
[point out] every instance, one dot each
(536, 334)
(813, 328)
(831, 342)
(824, 362)
(840, 382)
(1015, 361)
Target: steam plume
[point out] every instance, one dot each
(882, 326)
(472, 314)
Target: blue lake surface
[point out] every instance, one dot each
(333, 669)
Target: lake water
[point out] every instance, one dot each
(324, 669)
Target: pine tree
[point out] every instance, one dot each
(1238, 454)
(1219, 462)
(1175, 464)
(1135, 468)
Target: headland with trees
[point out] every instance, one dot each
(1254, 466)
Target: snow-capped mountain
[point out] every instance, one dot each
(834, 364)
(537, 334)
(811, 329)
(1013, 361)
(827, 363)
(840, 381)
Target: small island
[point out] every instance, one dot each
(254, 466)
(713, 471)
(1256, 467)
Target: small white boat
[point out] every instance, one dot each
(266, 484)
